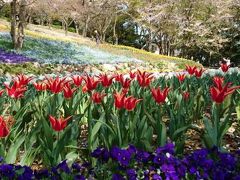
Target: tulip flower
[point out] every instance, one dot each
(98, 97)
(68, 91)
(119, 99)
(1, 92)
(219, 93)
(58, 124)
(119, 77)
(181, 77)
(144, 79)
(186, 95)
(56, 85)
(24, 80)
(225, 67)
(130, 103)
(199, 72)
(126, 83)
(190, 69)
(40, 86)
(77, 80)
(4, 131)
(16, 91)
(218, 81)
(160, 96)
(91, 83)
(105, 80)
(132, 75)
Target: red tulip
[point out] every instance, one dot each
(132, 74)
(98, 97)
(131, 102)
(16, 91)
(40, 86)
(144, 79)
(119, 99)
(58, 124)
(190, 69)
(181, 77)
(125, 82)
(160, 96)
(56, 85)
(68, 91)
(225, 67)
(199, 72)
(4, 131)
(118, 77)
(219, 93)
(218, 81)
(24, 80)
(186, 95)
(91, 83)
(1, 92)
(77, 80)
(105, 80)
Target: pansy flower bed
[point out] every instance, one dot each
(135, 126)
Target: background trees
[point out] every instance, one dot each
(203, 30)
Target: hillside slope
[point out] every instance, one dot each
(52, 46)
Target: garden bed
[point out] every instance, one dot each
(137, 125)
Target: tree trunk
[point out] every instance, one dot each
(13, 31)
(76, 27)
(18, 18)
(21, 24)
(85, 29)
(49, 23)
(103, 37)
(115, 36)
(150, 41)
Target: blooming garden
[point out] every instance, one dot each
(120, 126)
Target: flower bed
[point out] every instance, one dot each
(10, 57)
(42, 121)
(132, 163)
(59, 52)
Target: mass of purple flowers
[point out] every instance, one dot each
(132, 163)
(11, 57)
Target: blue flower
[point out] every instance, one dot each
(63, 166)
(7, 170)
(117, 177)
(131, 174)
(97, 153)
(142, 156)
(132, 149)
(156, 177)
(76, 167)
(101, 153)
(158, 159)
(227, 160)
(169, 171)
(168, 148)
(41, 174)
(27, 173)
(79, 177)
(123, 156)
